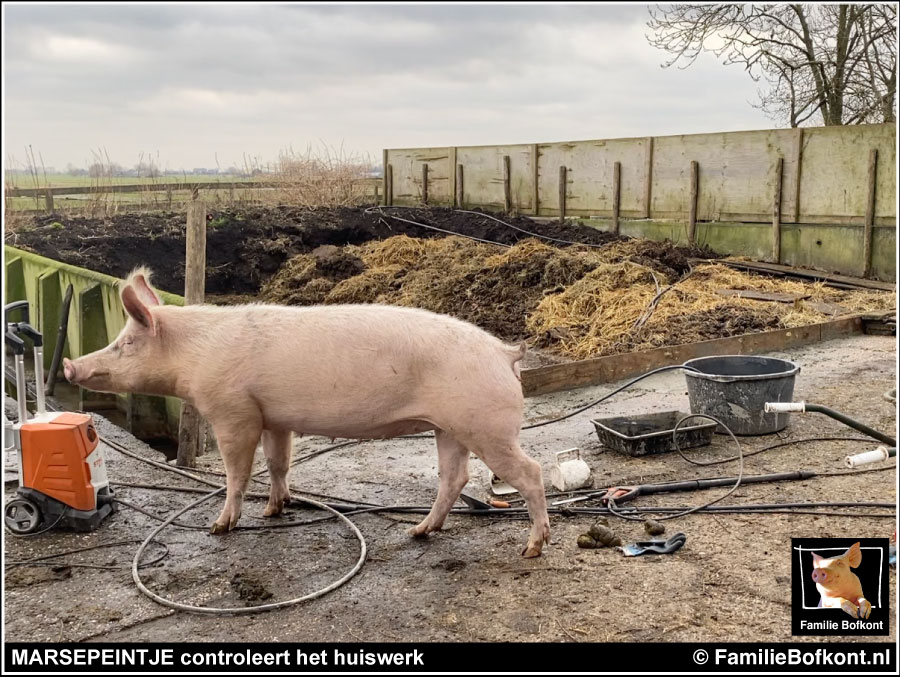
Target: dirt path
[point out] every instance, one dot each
(730, 582)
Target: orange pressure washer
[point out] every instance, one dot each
(62, 470)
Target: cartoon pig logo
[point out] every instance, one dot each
(839, 586)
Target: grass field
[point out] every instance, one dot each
(25, 180)
(150, 199)
(314, 177)
(100, 201)
(114, 202)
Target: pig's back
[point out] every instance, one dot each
(410, 338)
(337, 369)
(366, 324)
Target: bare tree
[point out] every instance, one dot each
(839, 61)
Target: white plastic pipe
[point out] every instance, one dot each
(785, 407)
(20, 389)
(867, 457)
(39, 379)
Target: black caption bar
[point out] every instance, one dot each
(526, 657)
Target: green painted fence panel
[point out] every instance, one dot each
(95, 319)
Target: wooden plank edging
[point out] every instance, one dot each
(806, 273)
(571, 375)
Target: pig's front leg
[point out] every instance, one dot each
(864, 607)
(453, 468)
(848, 607)
(237, 438)
(277, 448)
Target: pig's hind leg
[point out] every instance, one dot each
(237, 439)
(453, 467)
(512, 465)
(277, 448)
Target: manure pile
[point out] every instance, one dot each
(577, 301)
(245, 248)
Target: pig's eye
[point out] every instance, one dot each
(127, 341)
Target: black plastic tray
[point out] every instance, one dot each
(652, 433)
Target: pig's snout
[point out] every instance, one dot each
(820, 576)
(69, 370)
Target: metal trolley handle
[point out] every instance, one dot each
(13, 337)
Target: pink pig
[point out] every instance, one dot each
(839, 586)
(353, 371)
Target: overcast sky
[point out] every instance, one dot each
(190, 83)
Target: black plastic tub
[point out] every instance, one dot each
(652, 433)
(735, 389)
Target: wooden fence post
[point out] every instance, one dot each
(562, 193)
(189, 430)
(776, 211)
(451, 175)
(389, 189)
(424, 183)
(695, 190)
(460, 193)
(384, 174)
(535, 201)
(648, 177)
(870, 213)
(507, 188)
(617, 192)
(48, 200)
(798, 175)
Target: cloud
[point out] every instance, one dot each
(62, 48)
(192, 81)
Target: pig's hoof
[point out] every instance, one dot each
(277, 503)
(416, 532)
(272, 510)
(218, 528)
(531, 551)
(864, 608)
(850, 608)
(421, 530)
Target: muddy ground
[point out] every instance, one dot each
(245, 248)
(730, 582)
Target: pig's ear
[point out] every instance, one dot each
(137, 309)
(140, 280)
(816, 559)
(853, 555)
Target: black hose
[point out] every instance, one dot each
(42, 560)
(60, 341)
(517, 512)
(609, 394)
(380, 209)
(708, 483)
(788, 443)
(856, 425)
